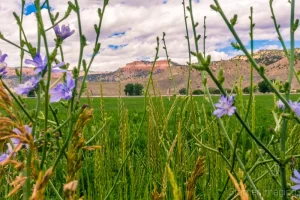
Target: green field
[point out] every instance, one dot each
(265, 104)
(132, 162)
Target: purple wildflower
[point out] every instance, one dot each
(296, 180)
(28, 86)
(2, 64)
(63, 32)
(5, 155)
(17, 141)
(57, 69)
(295, 107)
(225, 106)
(280, 105)
(63, 90)
(41, 65)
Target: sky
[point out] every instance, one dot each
(130, 28)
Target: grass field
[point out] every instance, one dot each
(163, 157)
(135, 106)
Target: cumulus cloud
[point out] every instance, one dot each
(130, 28)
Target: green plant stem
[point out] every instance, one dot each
(228, 139)
(189, 49)
(29, 155)
(55, 190)
(71, 108)
(18, 102)
(200, 144)
(242, 121)
(38, 38)
(43, 34)
(52, 22)
(56, 23)
(285, 122)
(204, 37)
(60, 126)
(238, 159)
(120, 170)
(196, 38)
(277, 27)
(95, 53)
(20, 37)
(252, 61)
(95, 135)
(169, 66)
(9, 42)
(79, 60)
(244, 138)
(251, 66)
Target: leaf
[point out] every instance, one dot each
(234, 20)
(215, 8)
(236, 46)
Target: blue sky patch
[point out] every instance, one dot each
(30, 8)
(117, 34)
(116, 47)
(260, 44)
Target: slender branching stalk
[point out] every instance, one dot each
(204, 37)
(169, 63)
(30, 149)
(96, 46)
(20, 37)
(187, 37)
(259, 69)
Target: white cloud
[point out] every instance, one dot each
(143, 21)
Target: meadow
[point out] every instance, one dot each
(162, 156)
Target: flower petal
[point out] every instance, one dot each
(296, 173)
(55, 96)
(296, 187)
(3, 157)
(70, 82)
(2, 58)
(294, 180)
(31, 62)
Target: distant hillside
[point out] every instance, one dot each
(276, 64)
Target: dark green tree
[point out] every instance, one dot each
(214, 91)
(182, 91)
(129, 89)
(133, 89)
(138, 89)
(197, 92)
(263, 87)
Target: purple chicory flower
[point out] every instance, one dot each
(280, 104)
(28, 86)
(5, 155)
(2, 64)
(63, 32)
(296, 180)
(295, 107)
(57, 69)
(41, 65)
(225, 106)
(63, 90)
(17, 141)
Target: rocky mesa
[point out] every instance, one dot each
(236, 71)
